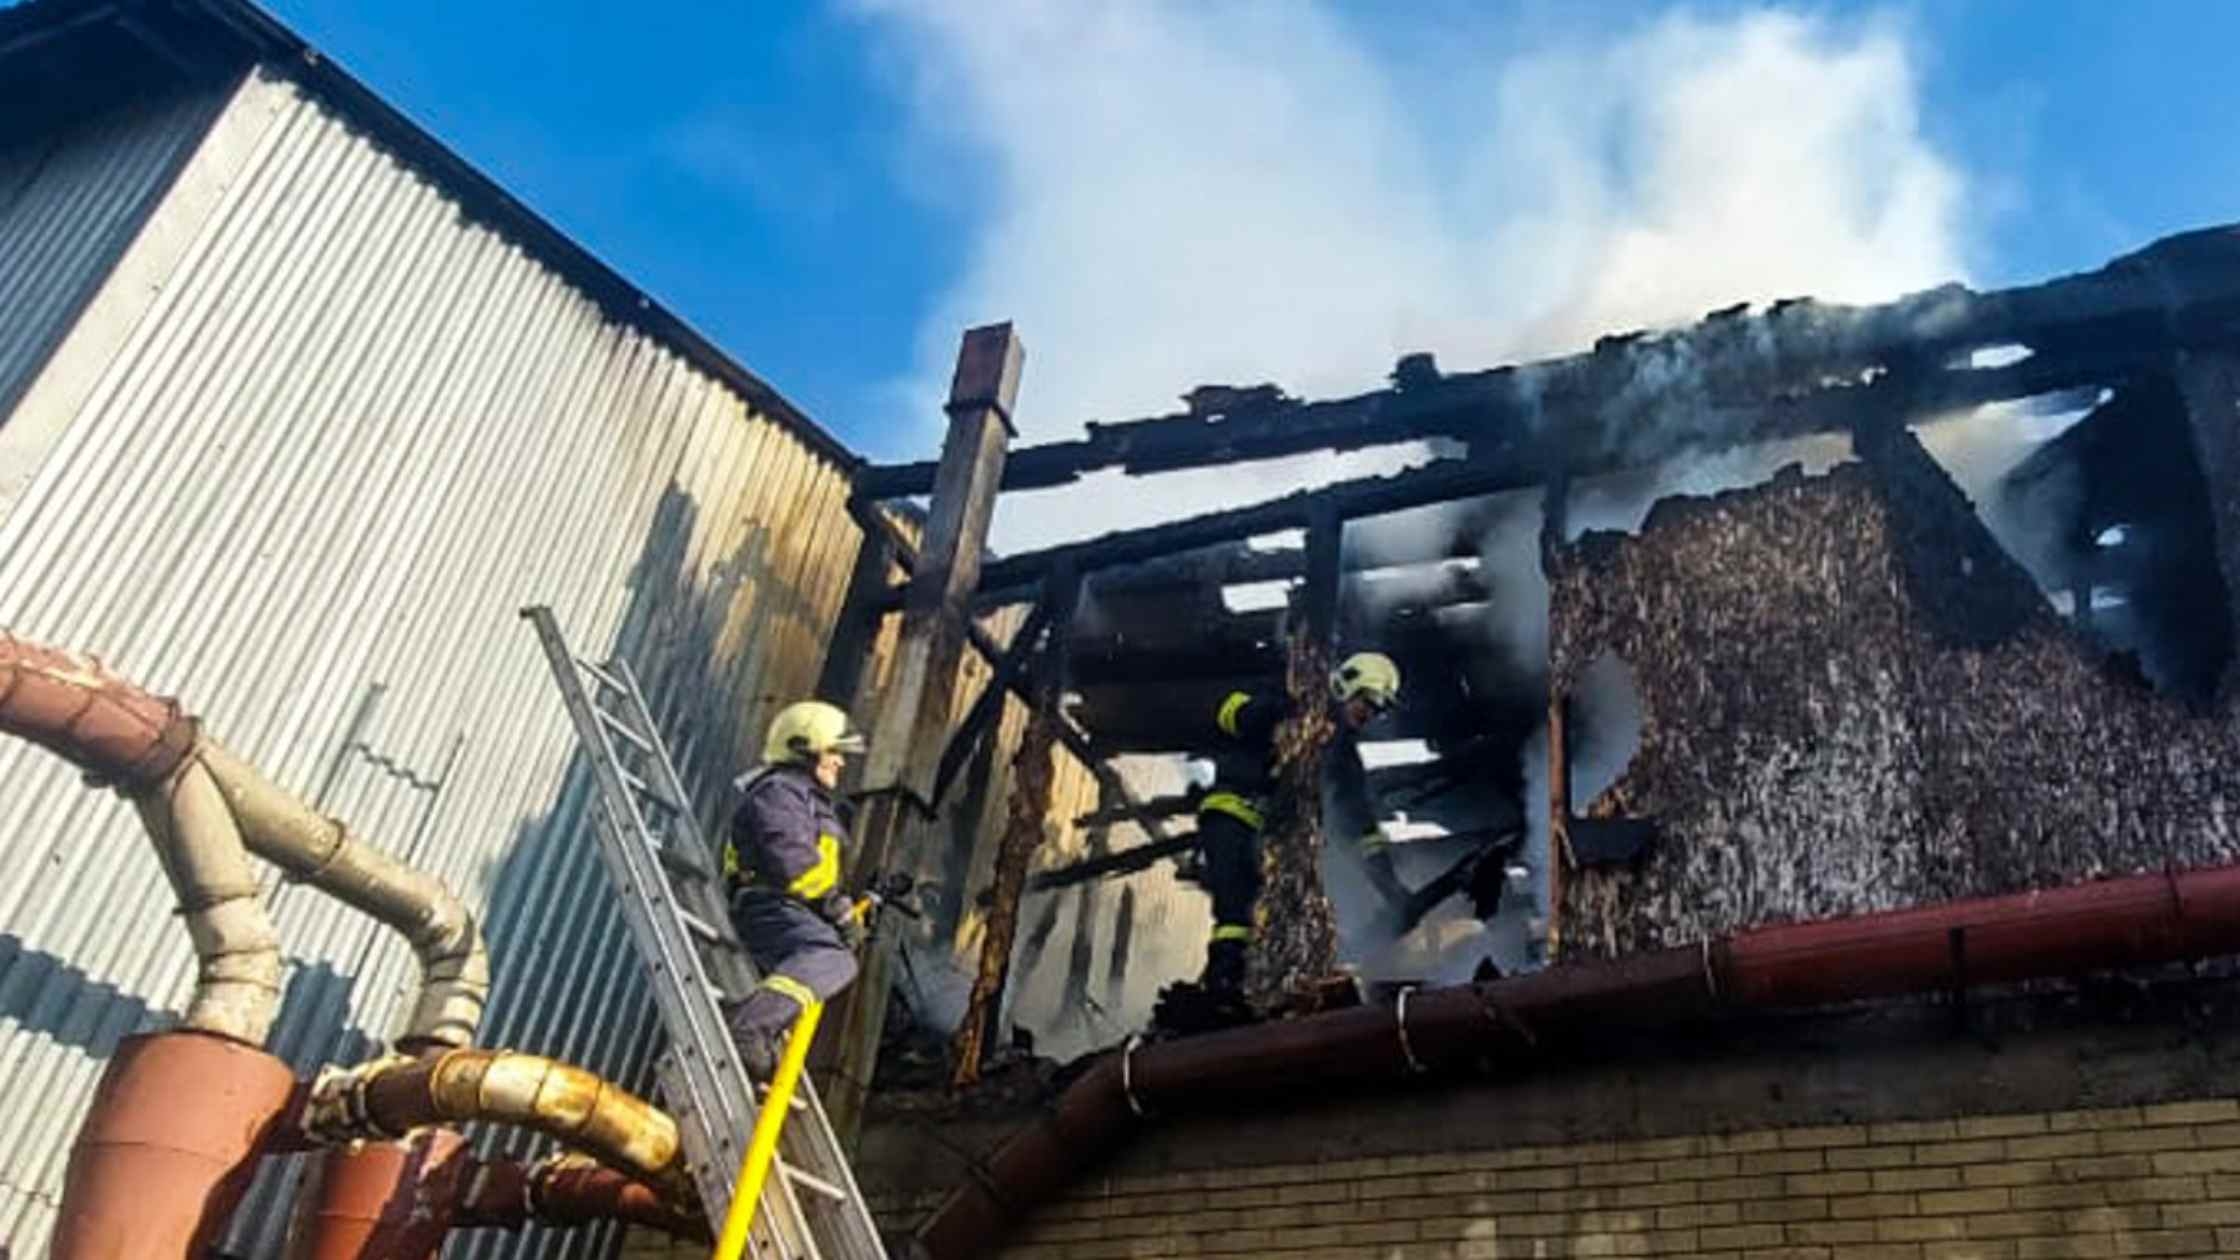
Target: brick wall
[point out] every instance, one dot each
(2094, 1120)
(2160, 1180)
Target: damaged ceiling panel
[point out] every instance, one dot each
(1852, 700)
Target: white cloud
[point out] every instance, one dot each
(1167, 194)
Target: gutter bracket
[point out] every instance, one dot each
(1407, 1051)
(1127, 1075)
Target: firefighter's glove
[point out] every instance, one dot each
(840, 910)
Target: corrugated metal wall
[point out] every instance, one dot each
(71, 196)
(352, 435)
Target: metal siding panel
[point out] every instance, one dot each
(351, 437)
(69, 203)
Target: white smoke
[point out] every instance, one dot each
(1167, 194)
(1164, 194)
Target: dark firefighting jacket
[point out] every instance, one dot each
(786, 835)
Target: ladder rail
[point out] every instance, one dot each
(702, 1054)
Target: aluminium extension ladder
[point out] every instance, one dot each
(671, 886)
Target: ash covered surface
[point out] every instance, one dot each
(1853, 701)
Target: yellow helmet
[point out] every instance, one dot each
(808, 729)
(1370, 676)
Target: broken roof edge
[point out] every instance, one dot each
(241, 28)
(2175, 291)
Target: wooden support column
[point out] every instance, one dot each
(1024, 827)
(1295, 929)
(914, 716)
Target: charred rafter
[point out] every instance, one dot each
(2179, 291)
(1636, 431)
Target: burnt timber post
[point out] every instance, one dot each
(1295, 936)
(914, 716)
(1027, 815)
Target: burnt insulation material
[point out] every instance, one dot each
(1853, 701)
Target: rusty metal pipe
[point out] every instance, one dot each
(568, 1190)
(325, 853)
(2115, 923)
(386, 1200)
(167, 1149)
(390, 1097)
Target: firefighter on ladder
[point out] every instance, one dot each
(782, 868)
(1230, 815)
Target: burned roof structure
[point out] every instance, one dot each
(1853, 696)
(2136, 342)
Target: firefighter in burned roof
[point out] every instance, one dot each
(1232, 813)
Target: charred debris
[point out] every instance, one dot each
(1849, 693)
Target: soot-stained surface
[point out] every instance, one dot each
(1853, 701)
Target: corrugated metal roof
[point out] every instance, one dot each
(222, 35)
(351, 435)
(74, 185)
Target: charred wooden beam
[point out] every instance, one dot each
(1833, 409)
(1015, 679)
(1124, 862)
(2180, 291)
(905, 744)
(987, 709)
(1024, 827)
(858, 628)
(1237, 563)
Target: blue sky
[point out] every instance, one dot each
(829, 191)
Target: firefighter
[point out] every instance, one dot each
(1231, 813)
(782, 868)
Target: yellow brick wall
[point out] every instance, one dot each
(2157, 1180)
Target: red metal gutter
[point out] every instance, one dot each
(1993, 940)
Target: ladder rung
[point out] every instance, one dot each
(611, 682)
(678, 861)
(701, 927)
(810, 1181)
(646, 790)
(622, 728)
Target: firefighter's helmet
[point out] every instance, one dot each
(1368, 676)
(808, 729)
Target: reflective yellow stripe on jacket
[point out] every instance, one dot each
(820, 879)
(1233, 805)
(778, 982)
(1226, 717)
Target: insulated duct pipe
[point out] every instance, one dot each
(203, 806)
(119, 734)
(1995, 940)
(323, 852)
(389, 1098)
